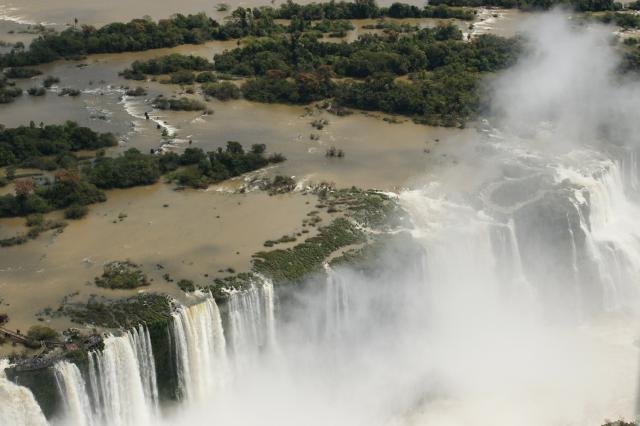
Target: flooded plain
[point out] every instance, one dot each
(198, 233)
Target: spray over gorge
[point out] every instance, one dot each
(492, 278)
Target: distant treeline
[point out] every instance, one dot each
(579, 5)
(144, 34)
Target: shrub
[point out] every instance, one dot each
(138, 91)
(76, 211)
(67, 91)
(122, 275)
(222, 91)
(276, 158)
(187, 286)
(35, 219)
(181, 104)
(41, 332)
(130, 169)
(206, 77)
(50, 81)
(22, 72)
(37, 91)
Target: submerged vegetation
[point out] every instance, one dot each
(8, 91)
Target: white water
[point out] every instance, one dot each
(17, 405)
(74, 394)
(121, 386)
(119, 381)
(518, 312)
(200, 350)
(338, 304)
(251, 322)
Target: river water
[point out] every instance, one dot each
(513, 301)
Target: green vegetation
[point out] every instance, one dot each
(579, 5)
(67, 188)
(50, 81)
(73, 189)
(122, 275)
(76, 211)
(280, 185)
(68, 91)
(333, 28)
(25, 143)
(138, 91)
(37, 91)
(179, 104)
(166, 65)
(144, 34)
(36, 228)
(19, 73)
(292, 265)
(203, 168)
(365, 9)
(386, 25)
(129, 169)
(187, 286)
(40, 332)
(8, 91)
(122, 313)
(624, 20)
(443, 71)
(368, 208)
(223, 91)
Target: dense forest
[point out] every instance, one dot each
(430, 73)
(439, 71)
(27, 145)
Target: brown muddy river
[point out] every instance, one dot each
(187, 238)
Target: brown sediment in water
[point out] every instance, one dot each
(188, 238)
(197, 233)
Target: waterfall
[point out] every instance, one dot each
(610, 228)
(18, 407)
(124, 392)
(121, 389)
(74, 394)
(252, 322)
(201, 350)
(141, 343)
(337, 304)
